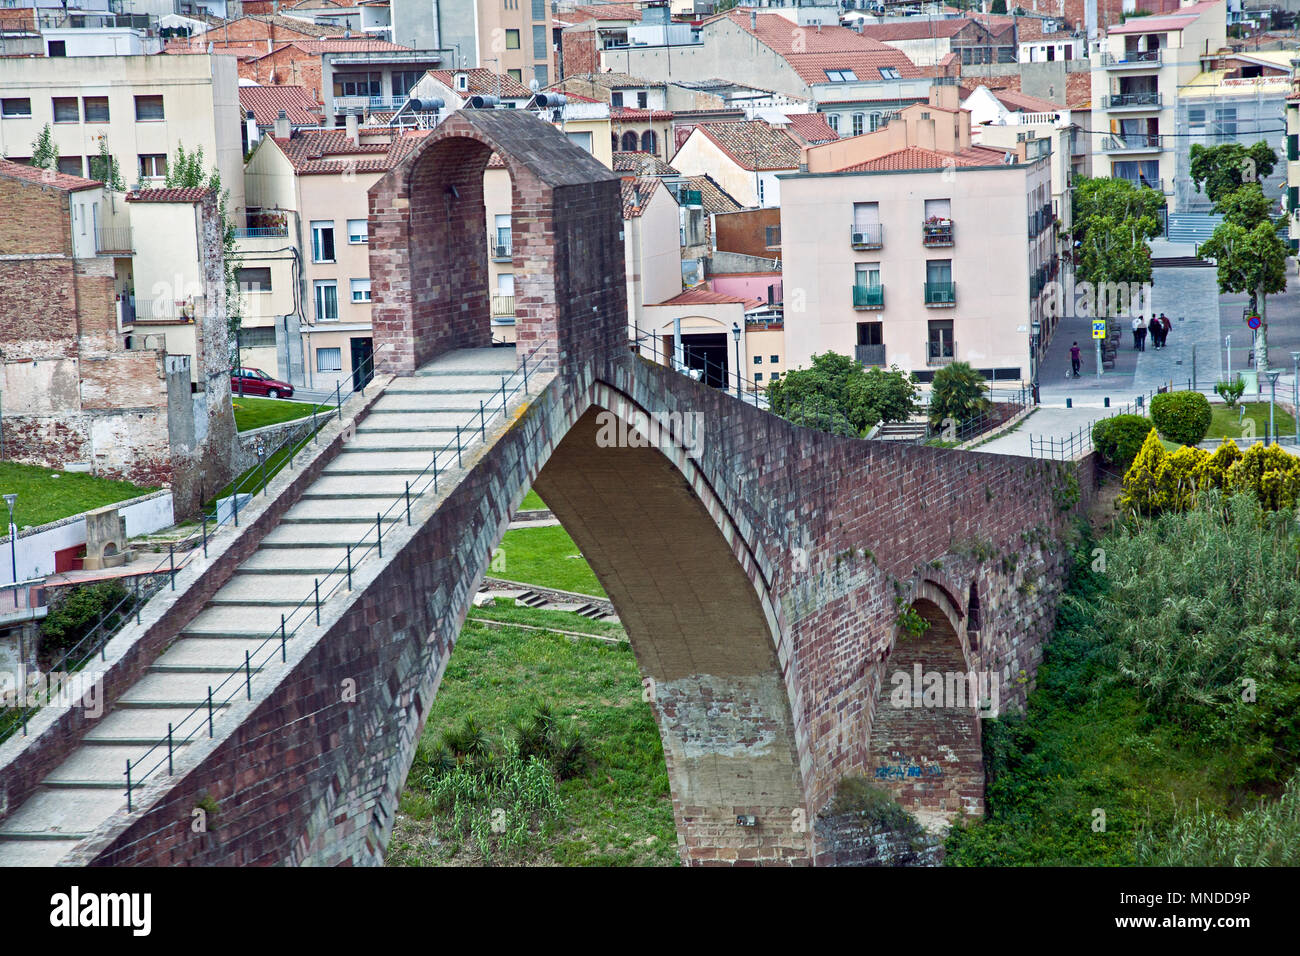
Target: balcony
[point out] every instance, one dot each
(1139, 143)
(113, 240)
(264, 232)
(868, 297)
(1132, 59)
(869, 354)
(1145, 100)
(867, 236)
(936, 232)
(360, 104)
(499, 246)
(503, 308)
(940, 353)
(942, 294)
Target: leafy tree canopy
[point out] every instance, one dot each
(836, 386)
(1222, 169)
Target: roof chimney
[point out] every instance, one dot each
(352, 123)
(282, 130)
(250, 124)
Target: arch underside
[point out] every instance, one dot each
(699, 632)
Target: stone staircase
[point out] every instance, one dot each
(412, 420)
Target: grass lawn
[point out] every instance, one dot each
(532, 502)
(546, 557)
(1224, 421)
(45, 494)
(505, 611)
(274, 464)
(253, 413)
(617, 812)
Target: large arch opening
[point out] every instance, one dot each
(924, 746)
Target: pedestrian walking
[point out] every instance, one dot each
(1076, 359)
(1165, 326)
(1155, 328)
(1139, 332)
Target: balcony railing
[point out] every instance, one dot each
(503, 306)
(499, 246)
(1146, 99)
(868, 236)
(941, 293)
(940, 353)
(869, 354)
(1137, 143)
(937, 232)
(263, 232)
(868, 297)
(109, 239)
(1131, 58)
(369, 102)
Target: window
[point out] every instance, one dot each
(758, 360)
(358, 231)
(96, 109)
(761, 190)
(70, 165)
(649, 142)
(254, 279)
(58, 48)
(859, 122)
(153, 165)
(512, 39)
(833, 121)
(758, 376)
(874, 120)
(516, 75)
(360, 290)
(98, 168)
(940, 340)
(539, 10)
(867, 275)
(776, 376)
(148, 108)
(616, 98)
(357, 84)
(581, 140)
(404, 81)
(540, 74)
(629, 142)
(329, 360)
(15, 106)
(505, 283)
(67, 109)
(1225, 123)
(774, 358)
(871, 333)
(642, 100)
(888, 73)
(772, 236)
(938, 209)
(322, 241)
(262, 337)
(327, 300)
(841, 76)
(504, 237)
(540, 46)
(938, 270)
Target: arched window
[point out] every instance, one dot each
(649, 143)
(613, 141)
(629, 142)
(859, 120)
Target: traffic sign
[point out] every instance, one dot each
(1253, 321)
(1098, 328)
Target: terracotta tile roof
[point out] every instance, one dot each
(647, 164)
(811, 51)
(918, 158)
(615, 81)
(349, 45)
(188, 194)
(712, 196)
(915, 29)
(1078, 90)
(865, 64)
(636, 194)
(702, 296)
(633, 115)
(812, 128)
(267, 101)
(753, 144)
(324, 152)
(1016, 101)
(46, 177)
(1183, 17)
(484, 82)
(292, 24)
(608, 11)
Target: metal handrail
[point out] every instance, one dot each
(310, 606)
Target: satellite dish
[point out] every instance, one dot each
(534, 85)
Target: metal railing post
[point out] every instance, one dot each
(209, 710)
(171, 561)
(234, 499)
(128, 785)
(482, 421)
(316, 589)
(458, 460)
(313, 423)
(170, 767)
(248, 675)
(379, 533)
(525, 374)
(205, 534)
(284, 646)
(408, 503)
(338, 398)
(349, 567)
(503, 398)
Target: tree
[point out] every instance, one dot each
(45, 152)
(185, 171)
(957, 392)
(1225, 168)
(1250, 261)
(105, 168)
(835, 388)
(1113, 219)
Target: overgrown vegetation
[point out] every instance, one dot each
(837, 389)
(73, 618)
(1166, 702)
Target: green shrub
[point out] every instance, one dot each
(543, 735)
(1231, 392)
(1182, 417)
(76, 615)
(957, 393)
(1119, 439)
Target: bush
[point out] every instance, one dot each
(1159, 481)
(1182, 417)
(1231, 392)
(1120, 438)
(77, 615)
(957, 393)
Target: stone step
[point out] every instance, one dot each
(105, 765)
(148, 725)
(450, 384)
(60, 815)
(413, 441)
(434, 422)
(271, 590)
(530, 599)
(239, 621)
(406, 463)
(386, 488)
(299, 559)
(215, 655)
(459, 402)
(491, 361)
(178, 691)
(328, 510)
(316, 534)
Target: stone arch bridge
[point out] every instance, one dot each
(760, 570)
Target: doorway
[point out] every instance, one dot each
(363, 366)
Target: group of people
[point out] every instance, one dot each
(1159, 327)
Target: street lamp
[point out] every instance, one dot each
(13, 547)
(1295, 394)
(735, 334)
(1273, 375)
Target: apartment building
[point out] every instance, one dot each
(1140, 68)
(746, 158)
(143, 106)
(513, 37)
(651, 249)
(913, 246)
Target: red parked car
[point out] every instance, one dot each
(254, 381)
